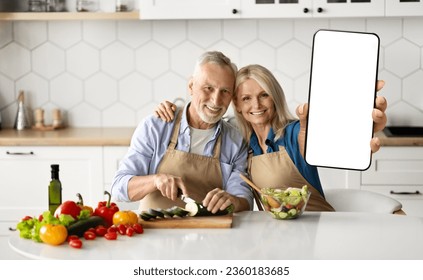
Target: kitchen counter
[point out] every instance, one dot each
(120, 137)
(67, 137)
(399, 141)
(255, 235)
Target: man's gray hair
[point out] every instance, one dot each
(215, 57)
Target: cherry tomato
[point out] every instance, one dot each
(100, 230)
(89, 235)
(111, 236)
(75, 243)
(121, 229)
(71, 237)
(53, 234)
(138, 228)
(130, 231)
(91, 230)
(112, 229)
(26, 218)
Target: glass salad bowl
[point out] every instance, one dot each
(284, 204)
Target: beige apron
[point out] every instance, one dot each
(276, 170)
(200, 174)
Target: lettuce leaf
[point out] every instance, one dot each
(84, 214)
(30, 229)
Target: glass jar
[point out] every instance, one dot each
(87, 5)
(124, 5)
(36, 6)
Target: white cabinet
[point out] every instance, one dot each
(26, 174)
(6, 253)
(310, 8)
(332, 178)
(404, 8)
(397, 172)
(112, 157)
(277, 8)
(348, 8)
(189, 9)
(224, 9)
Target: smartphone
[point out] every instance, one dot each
(342, 94)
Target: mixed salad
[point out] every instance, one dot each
(285, 203)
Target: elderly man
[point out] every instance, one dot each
(198, 153)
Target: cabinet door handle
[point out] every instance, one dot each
(234, 11)
(415, 193)
(319, 10)
(19, 153)
(305, 10)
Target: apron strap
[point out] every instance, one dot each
(175, 133)
(216, 150)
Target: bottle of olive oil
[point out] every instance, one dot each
(54, 189)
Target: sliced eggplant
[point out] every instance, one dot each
(178, 211)
(167, 213)
(157, 213)
(146, 216)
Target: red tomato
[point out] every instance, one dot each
(138, 228)
(130, 231)
(71, 237)
(91, 230)
(100, 230)
(26, 218)
(75, 243)
(121, 229)
(89, 235)
(111, 236)
(112, 229)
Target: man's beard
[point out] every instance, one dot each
(210, 118)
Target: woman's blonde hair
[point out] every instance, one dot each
(271, 86)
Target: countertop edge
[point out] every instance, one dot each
(398, 141)
(118, 136)
(90, 136)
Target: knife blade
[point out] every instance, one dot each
(186, 198)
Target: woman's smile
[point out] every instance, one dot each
(258, 113)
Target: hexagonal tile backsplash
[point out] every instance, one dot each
(113, 73)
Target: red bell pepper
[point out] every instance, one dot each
(106, 210)
(69, 208)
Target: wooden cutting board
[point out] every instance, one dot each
(190, 222)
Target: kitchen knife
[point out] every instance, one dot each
(186, 198)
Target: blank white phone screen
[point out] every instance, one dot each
(342, 96)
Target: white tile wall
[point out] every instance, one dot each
(113, 73)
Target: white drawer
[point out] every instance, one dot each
(4, 228)
(395, 166)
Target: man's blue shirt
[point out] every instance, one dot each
(150, 142)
